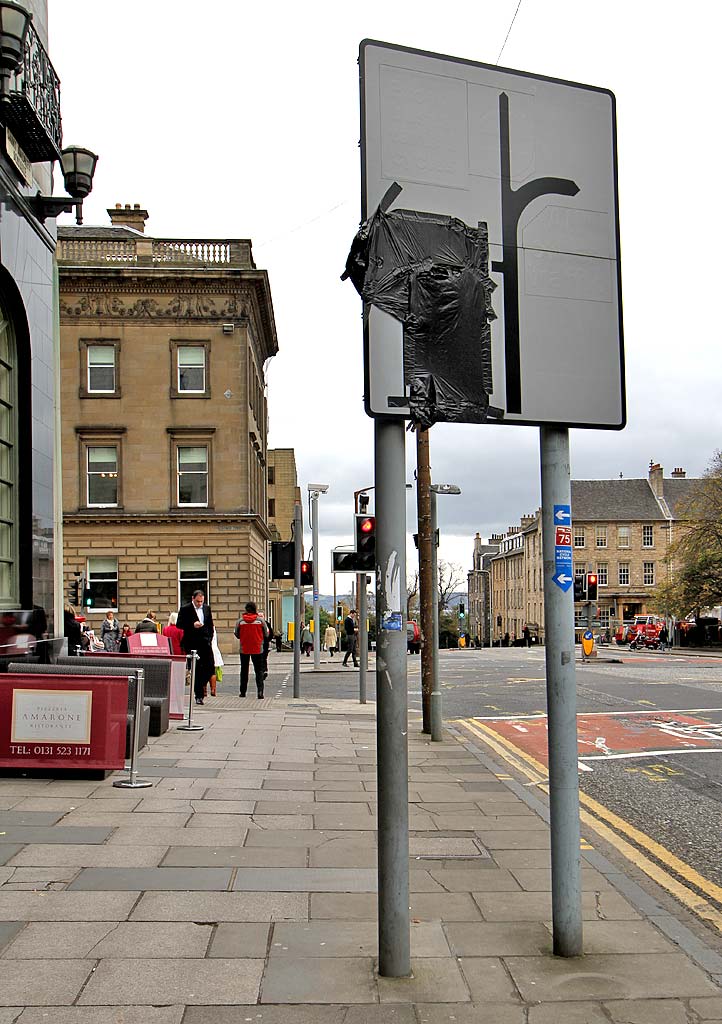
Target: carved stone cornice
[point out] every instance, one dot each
(193, 305)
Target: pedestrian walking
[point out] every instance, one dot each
(72, 629)
(664, 638)
(174, 634)
(306, 641)
(149, 624)
(330, 638)
(251, 632)
(217, 664)
(110, 633)
(350, 628)
(195, 620)
(526, 633)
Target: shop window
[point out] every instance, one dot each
(103, 583)
(192, 575)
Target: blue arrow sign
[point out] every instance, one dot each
(562, 513)
(563, 580)
(588, 635)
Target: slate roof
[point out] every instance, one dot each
(677, 489)
(621, 501)
(87, 231)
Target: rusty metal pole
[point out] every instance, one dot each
(426, 582)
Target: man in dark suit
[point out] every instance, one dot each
(196, 621)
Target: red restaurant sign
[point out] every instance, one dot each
(51, 721)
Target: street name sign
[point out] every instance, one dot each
(534, 159)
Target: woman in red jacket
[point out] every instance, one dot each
(251, 632)
(174, 634)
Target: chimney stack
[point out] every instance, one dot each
(128, 217)
(656, 479)
(679, 473)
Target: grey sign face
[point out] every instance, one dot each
(535, 159)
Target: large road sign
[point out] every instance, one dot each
(535, 159)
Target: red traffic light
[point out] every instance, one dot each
(367, 524)
(306, 574)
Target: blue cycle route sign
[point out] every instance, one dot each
(564, 572)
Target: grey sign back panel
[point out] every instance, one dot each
(434, 125)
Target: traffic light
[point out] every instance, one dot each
(580, 588)
(306, 574)
(591, 586)
(366, 543)
(462, 610)
(87, 598)
(74, 592)
(283, 560)
(339, 612)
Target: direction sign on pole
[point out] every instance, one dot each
(534, 159)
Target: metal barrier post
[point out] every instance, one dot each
(187, 726)
(133, 782)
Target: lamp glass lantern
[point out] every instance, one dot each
(14, 24)
(78, 166)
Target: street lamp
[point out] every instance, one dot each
(78, 167)
(14, 25)
(314, 490)
(436, 716)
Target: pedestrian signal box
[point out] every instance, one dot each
(365, 543)
(283, 560)
(306, 574)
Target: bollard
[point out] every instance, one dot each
(188, 726)
(133, 782)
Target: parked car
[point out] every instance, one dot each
(413, 637)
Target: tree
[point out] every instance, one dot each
(412, 590)
(695, 581)
(451, 577)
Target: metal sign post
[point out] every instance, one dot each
(133, 782)
(297, 598)
(391, 701)
(189, 726)
(561, 698)
(363, 637)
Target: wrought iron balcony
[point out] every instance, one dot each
(31, 109)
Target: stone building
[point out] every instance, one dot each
(481, 607)
(622, 530)
(283, 494)
(164, 344)
(30, 144)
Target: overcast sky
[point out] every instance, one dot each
(232, 119)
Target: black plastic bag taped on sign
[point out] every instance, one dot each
(431, 272)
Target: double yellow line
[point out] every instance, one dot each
(611, 828)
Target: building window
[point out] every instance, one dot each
(580, 616)
(580, 569)
(101, 369)
(102, 476)
(579, 537)
(271, 508)
(103, 583)
(8, 466)
(600, 536)
(603, 574)
(604, 617)
(647, 536)
(190, 370)
(624, 574)
(192, 575)
(271, 475)
(192, 475)
(648, 574)
(623, 536)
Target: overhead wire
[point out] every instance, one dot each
(506, 37)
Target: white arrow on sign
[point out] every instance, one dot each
(563, 578)
(562, 514)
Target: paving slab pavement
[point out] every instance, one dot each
(242, 887)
